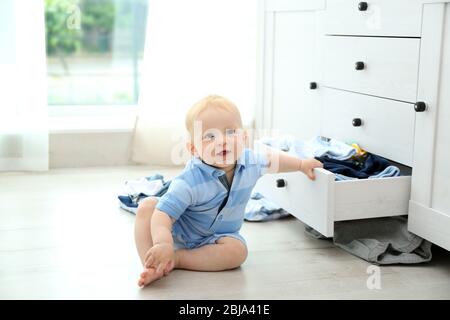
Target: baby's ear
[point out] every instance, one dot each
(190, 148)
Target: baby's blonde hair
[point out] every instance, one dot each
(208, 102)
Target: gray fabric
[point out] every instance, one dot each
(379, 241)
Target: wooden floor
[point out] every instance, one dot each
(63, 236)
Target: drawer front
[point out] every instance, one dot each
(380, 18)
(321, 202)
(309, 201)
(385, 67)
(385, 127)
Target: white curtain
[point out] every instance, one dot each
(193, 48)
(23, 89)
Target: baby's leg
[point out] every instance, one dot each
(143, 238)
(142, 227)
(227, 253)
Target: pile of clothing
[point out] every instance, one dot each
(348, 161)
(380, 241)
(259, 208)
(135, 191)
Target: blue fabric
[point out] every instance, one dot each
(260, 208)
(156, 176)
(131, 197)
(371, 166)
(196, 194)
(391, 171)
(315, 147)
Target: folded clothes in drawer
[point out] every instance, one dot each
(368, 166)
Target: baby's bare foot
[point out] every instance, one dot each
(148, 276)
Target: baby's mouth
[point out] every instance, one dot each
(223, 153)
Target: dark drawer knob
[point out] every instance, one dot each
(420, 106)
(313, 85)
(357, 122)
(362, 6)
(281, 183)
(359, 65)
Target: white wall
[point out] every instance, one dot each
(90, 149)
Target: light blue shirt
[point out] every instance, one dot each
(201, 202)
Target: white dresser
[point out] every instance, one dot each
(376, 73)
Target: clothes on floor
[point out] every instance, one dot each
(380, 241)
(368, 166)
(147, 185)
(259, 208)
(135, 191)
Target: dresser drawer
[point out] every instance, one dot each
(321, 202)
(380, 18)
(385, 67)
(385, 127)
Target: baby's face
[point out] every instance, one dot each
(218, 137)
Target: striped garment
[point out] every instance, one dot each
(204, 206)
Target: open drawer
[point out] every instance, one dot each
(321, 202)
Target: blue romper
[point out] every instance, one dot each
(202, 204)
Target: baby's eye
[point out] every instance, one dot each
(230, 131)
(209, 136)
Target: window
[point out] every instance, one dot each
(94, 51)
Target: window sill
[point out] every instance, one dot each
(91, 119)
(91, 124)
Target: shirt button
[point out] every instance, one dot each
(220, 217)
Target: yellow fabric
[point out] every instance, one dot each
(359, 151)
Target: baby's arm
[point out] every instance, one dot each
(162, 252)
(280, 161)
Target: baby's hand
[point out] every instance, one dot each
(308, 165)
(160, 257)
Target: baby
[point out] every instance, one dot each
(195, 225)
